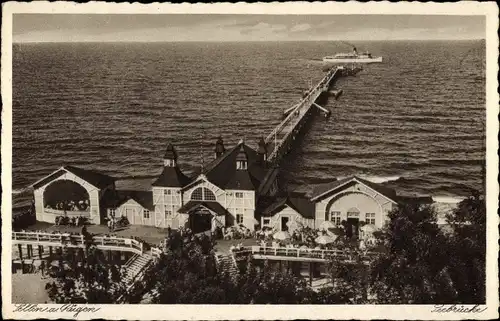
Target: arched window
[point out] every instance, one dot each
(208, 195)
(197, 194)
(203, 194)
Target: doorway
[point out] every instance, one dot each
(129, 213)
(284, 221)
(352, 228)
(200, 221)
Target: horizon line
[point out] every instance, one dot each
(241, 41)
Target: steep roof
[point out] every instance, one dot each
(171, 177)
(298, 202)
(114, 199)
(222, 170)
(95, 178)
(320, 190)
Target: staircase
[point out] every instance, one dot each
(226, 263)
(136, 265)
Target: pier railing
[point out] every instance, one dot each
(296, 113)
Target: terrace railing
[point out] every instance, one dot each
(71, 240)
(309, 253)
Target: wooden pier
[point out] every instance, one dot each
(281, 138)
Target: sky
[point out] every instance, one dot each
(216, 27)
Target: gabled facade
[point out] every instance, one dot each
(343, 202)
(352, 200)
(71, 191)
(288, 213)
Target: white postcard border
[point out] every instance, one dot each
(268, 312)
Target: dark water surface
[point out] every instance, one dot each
(114, 107)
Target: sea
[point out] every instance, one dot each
(415, 122)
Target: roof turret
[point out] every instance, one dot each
(242, 155)
(219, 147)
(170, 153)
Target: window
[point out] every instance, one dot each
(203, 194)
(167, 192)
(169, 162)
(238, 194)
(353, 213)
(241, 165)
(146, 213)
(335, 217)
(197, 194)
(239, 218)
(167, 211)
(266, 221)
(208, 195)
(370, 218)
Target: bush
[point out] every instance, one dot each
(82, 220)
(64, 220)
(23, 220)
(123, 221)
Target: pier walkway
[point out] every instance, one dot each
(278, 142)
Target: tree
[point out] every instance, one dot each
(187, 273)
(85, 277)
(415, 267)
(467, 249)
(268, 284)
(349, 282)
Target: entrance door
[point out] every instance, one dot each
(129, 213)
(352, 229)
(284, 220)
(200, 221)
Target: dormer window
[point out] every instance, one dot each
(242, 159)
(241, 165)
(169, 163)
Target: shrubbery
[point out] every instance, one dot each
(73, 221)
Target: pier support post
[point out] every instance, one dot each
(50, 252)
(28, 250)
(40, 251)
(20, 248)
(311, 264)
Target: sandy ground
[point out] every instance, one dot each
(29, 288)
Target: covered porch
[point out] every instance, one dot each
(204, 215)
